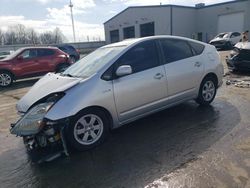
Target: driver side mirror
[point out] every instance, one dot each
(123, 70)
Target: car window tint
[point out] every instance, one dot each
(62, 48)
(28, 54)
(71, 48)
(45, 52)
(141, 57)
(175, 50)
(197, 47)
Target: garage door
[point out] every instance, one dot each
(231, 22)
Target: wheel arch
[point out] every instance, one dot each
(211, 75)
(9, 71)
(99, 108)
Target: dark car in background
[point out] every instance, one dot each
(32, 61)
(239, 59)
(69, 49)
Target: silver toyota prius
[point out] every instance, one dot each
(115, 85)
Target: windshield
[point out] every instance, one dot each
(93, 62)
(223, 35)
(14, 54)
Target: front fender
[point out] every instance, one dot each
(94, 92)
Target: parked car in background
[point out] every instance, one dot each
(5, 54)
(32, 61)
(73, 53)
(115, 85)
(226, 40)
(239, 59)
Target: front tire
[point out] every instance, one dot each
(87, 130)
(207, 91)
(6, 79)
(62, 68)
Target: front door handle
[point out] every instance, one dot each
(158, 76)
(197, 64)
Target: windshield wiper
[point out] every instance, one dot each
(69, 75)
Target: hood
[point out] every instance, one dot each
(50, 83)
(217, 39)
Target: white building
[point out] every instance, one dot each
(200, 22)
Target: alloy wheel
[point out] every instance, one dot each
(5, 79)
(88, 129)
(208, 91)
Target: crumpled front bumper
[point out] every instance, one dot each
(49, 143)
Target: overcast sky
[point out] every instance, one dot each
(89, 14)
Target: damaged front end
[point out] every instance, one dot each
(239, 59)
(44, 139)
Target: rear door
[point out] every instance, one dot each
(184, 67)
(46, 60)
(143, 90)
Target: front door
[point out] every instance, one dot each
(28, 63)
(142, 91)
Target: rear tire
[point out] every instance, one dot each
(6, 79)
(207, 91)
(87, 130)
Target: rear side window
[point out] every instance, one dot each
(141, 57)
(197, 48)
(45, 52)
(71, 48)
(174, 50)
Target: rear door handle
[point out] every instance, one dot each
(197, 64)
(158, 76)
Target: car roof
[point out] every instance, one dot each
(39, 47)
(133, 41)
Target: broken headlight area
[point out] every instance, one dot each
(32, 122)
(41, 135)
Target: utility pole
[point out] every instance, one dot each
(72, 18)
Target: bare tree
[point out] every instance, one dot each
(19, 34)
(47, 38)
(1, 37)
(58, 36)
(32, 36)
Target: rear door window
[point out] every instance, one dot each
(197, 47)
(175, 50)
(45, 52)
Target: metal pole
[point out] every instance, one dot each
(72, 18)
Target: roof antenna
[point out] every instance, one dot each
(160, 3)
